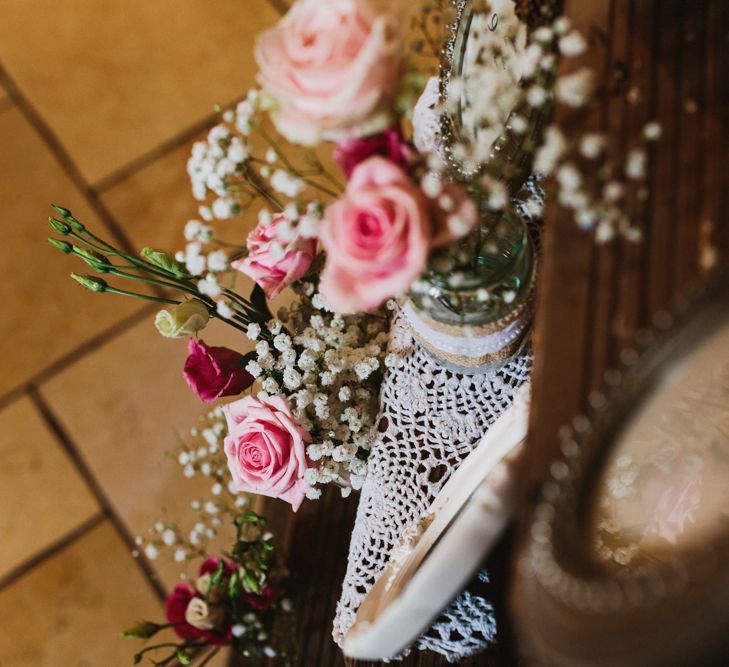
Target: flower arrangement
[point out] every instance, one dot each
(233, 598)
(413, 196)
(341, 72)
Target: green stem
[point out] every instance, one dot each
(156, 299)
(294, 170)
(180, 286)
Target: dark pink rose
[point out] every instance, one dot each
(266, 448)
(213, 372)
(389, 144)
(265, 600)
(273, 261)
(210, 566)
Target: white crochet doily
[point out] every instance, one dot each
(431, 419)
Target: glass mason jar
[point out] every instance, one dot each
(472, 308)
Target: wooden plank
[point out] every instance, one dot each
(565, 293)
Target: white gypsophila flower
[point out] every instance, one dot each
(543, 34)
(431, 184)
(561, 25)
(253, 330)
(218, 261)
(291, 211)
(264, 217)
(613, 191)
(292, 379)
(209, 286)
(263, 349)
(196, 231)
(549, 153)
(254, 368)
(282, 342)
(287, 184)
(591, 145)
(652, 131)
(194, 261)
(224, 309)
(314, 452)
(319, 302)
(309, 226)
(288, 357)
(458, 226)
(270, 385)
(312, 493)
(169, 537)
(635, 164)
(180, 555)
(151, 551)
(575, 89)
(536, 96)
(518, 124)
(572, 44)
(274, 327)
(206, 213)
(569, 177)
(225, 207)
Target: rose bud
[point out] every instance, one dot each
(199, 614)
(212, 372)
(183, 320)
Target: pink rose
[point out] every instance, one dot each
(272, 262)
(266, 449)
(379, 234)
(330, 67)
(212, 372)
(389, 143)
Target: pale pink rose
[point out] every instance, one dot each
(331, 67)
(272, 262)
(266, 448)
(670, 498)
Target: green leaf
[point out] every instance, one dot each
(258, 299)
(183, 657)
(246, 358)
(234, 586)
(251, 584)
(143, 630)
(137, 658)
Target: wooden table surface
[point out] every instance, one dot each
(592, 299)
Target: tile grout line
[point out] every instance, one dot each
(281, 6)
(53, 549)
(158, 152)
(63, 158)
(77, 353)
(86, 473)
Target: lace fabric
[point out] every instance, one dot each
(431, 419)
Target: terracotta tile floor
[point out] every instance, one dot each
(99, 104)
